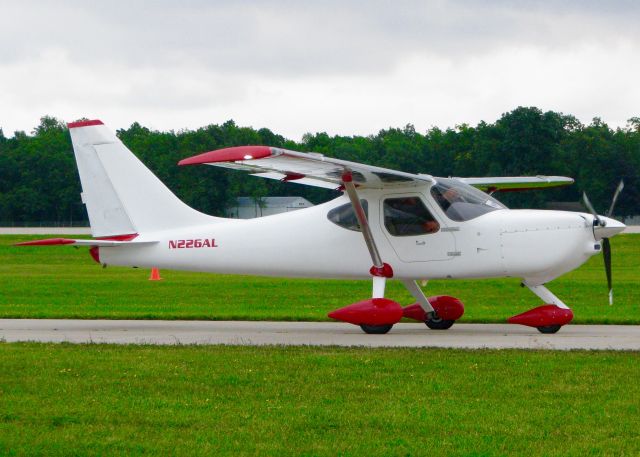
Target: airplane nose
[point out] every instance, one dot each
(610, 228)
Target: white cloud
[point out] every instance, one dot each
(305, 66)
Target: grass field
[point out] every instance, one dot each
(63, 282)
(97, 400)
(61, 399)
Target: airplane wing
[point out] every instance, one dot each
(315, 169)
(515, 183)
(308, 168)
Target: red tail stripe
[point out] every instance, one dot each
(73, 125)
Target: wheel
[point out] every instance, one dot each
(376, 329)
(547, 329)
(437, 323)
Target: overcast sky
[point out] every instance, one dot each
(294, 67)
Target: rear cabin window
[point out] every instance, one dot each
(407, 216)
(345, 216)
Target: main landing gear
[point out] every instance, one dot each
(434, 322)
(438, 313)
(378, 315)
(446, 311)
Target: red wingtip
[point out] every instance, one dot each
(73, 125)
(229, 155)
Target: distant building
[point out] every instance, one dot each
(249, 207)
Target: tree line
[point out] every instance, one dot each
(39, 181)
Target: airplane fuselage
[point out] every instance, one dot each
(533, 244)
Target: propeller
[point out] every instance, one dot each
(606, 245)
(615, 198)
(599, 222)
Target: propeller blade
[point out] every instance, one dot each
(615, 198)
(606, 253)
(589, 206)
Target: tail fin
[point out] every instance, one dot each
(123, 196)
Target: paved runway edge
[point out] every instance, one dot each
(257, 333)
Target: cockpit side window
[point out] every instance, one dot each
(345, 216)
(407, 216)
(462, 202)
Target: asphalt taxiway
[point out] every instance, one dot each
(494, 336)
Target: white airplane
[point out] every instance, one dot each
(387, 224)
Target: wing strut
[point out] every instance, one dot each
(380, 270)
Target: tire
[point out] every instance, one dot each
(376, 329)
(438, 324)
(549, 329)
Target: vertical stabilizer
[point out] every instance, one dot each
(123, 196)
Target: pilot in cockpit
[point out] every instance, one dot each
(407, 216)
(461, 202)
(445, 197)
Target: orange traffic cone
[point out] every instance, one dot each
(155, 275)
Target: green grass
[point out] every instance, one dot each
(63, 282)
(216, 400)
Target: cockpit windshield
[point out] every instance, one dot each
(462, 202)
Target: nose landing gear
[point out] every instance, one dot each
(547, 318)
(548, 329)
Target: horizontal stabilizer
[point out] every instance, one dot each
(83, 242)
